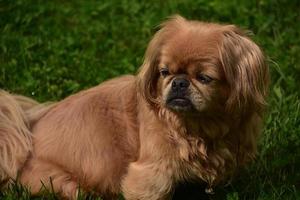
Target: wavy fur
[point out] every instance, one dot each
(17, 113)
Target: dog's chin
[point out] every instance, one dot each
(179, 104)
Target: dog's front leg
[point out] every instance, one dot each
(148, 181)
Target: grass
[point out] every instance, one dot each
(51, 49)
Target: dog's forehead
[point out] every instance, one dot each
(188, 47)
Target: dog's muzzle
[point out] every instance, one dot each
(178, 98)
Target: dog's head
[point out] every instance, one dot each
(197, 67)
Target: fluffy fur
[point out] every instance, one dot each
(141, 135)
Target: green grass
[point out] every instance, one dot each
(51, 49)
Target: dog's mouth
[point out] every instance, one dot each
(179, 104)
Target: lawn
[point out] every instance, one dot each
(51, 49)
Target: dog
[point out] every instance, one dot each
(193, 112)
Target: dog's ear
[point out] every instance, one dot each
(149, 73)
(247, 75)
(245, 70)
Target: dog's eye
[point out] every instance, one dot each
(204, 78)
(164, 72)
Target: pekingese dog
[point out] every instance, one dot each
(193, 112)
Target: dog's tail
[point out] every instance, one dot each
(17, 115)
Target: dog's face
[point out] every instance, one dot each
(190, 76)
(200, 67)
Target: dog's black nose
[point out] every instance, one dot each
(180, 84)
